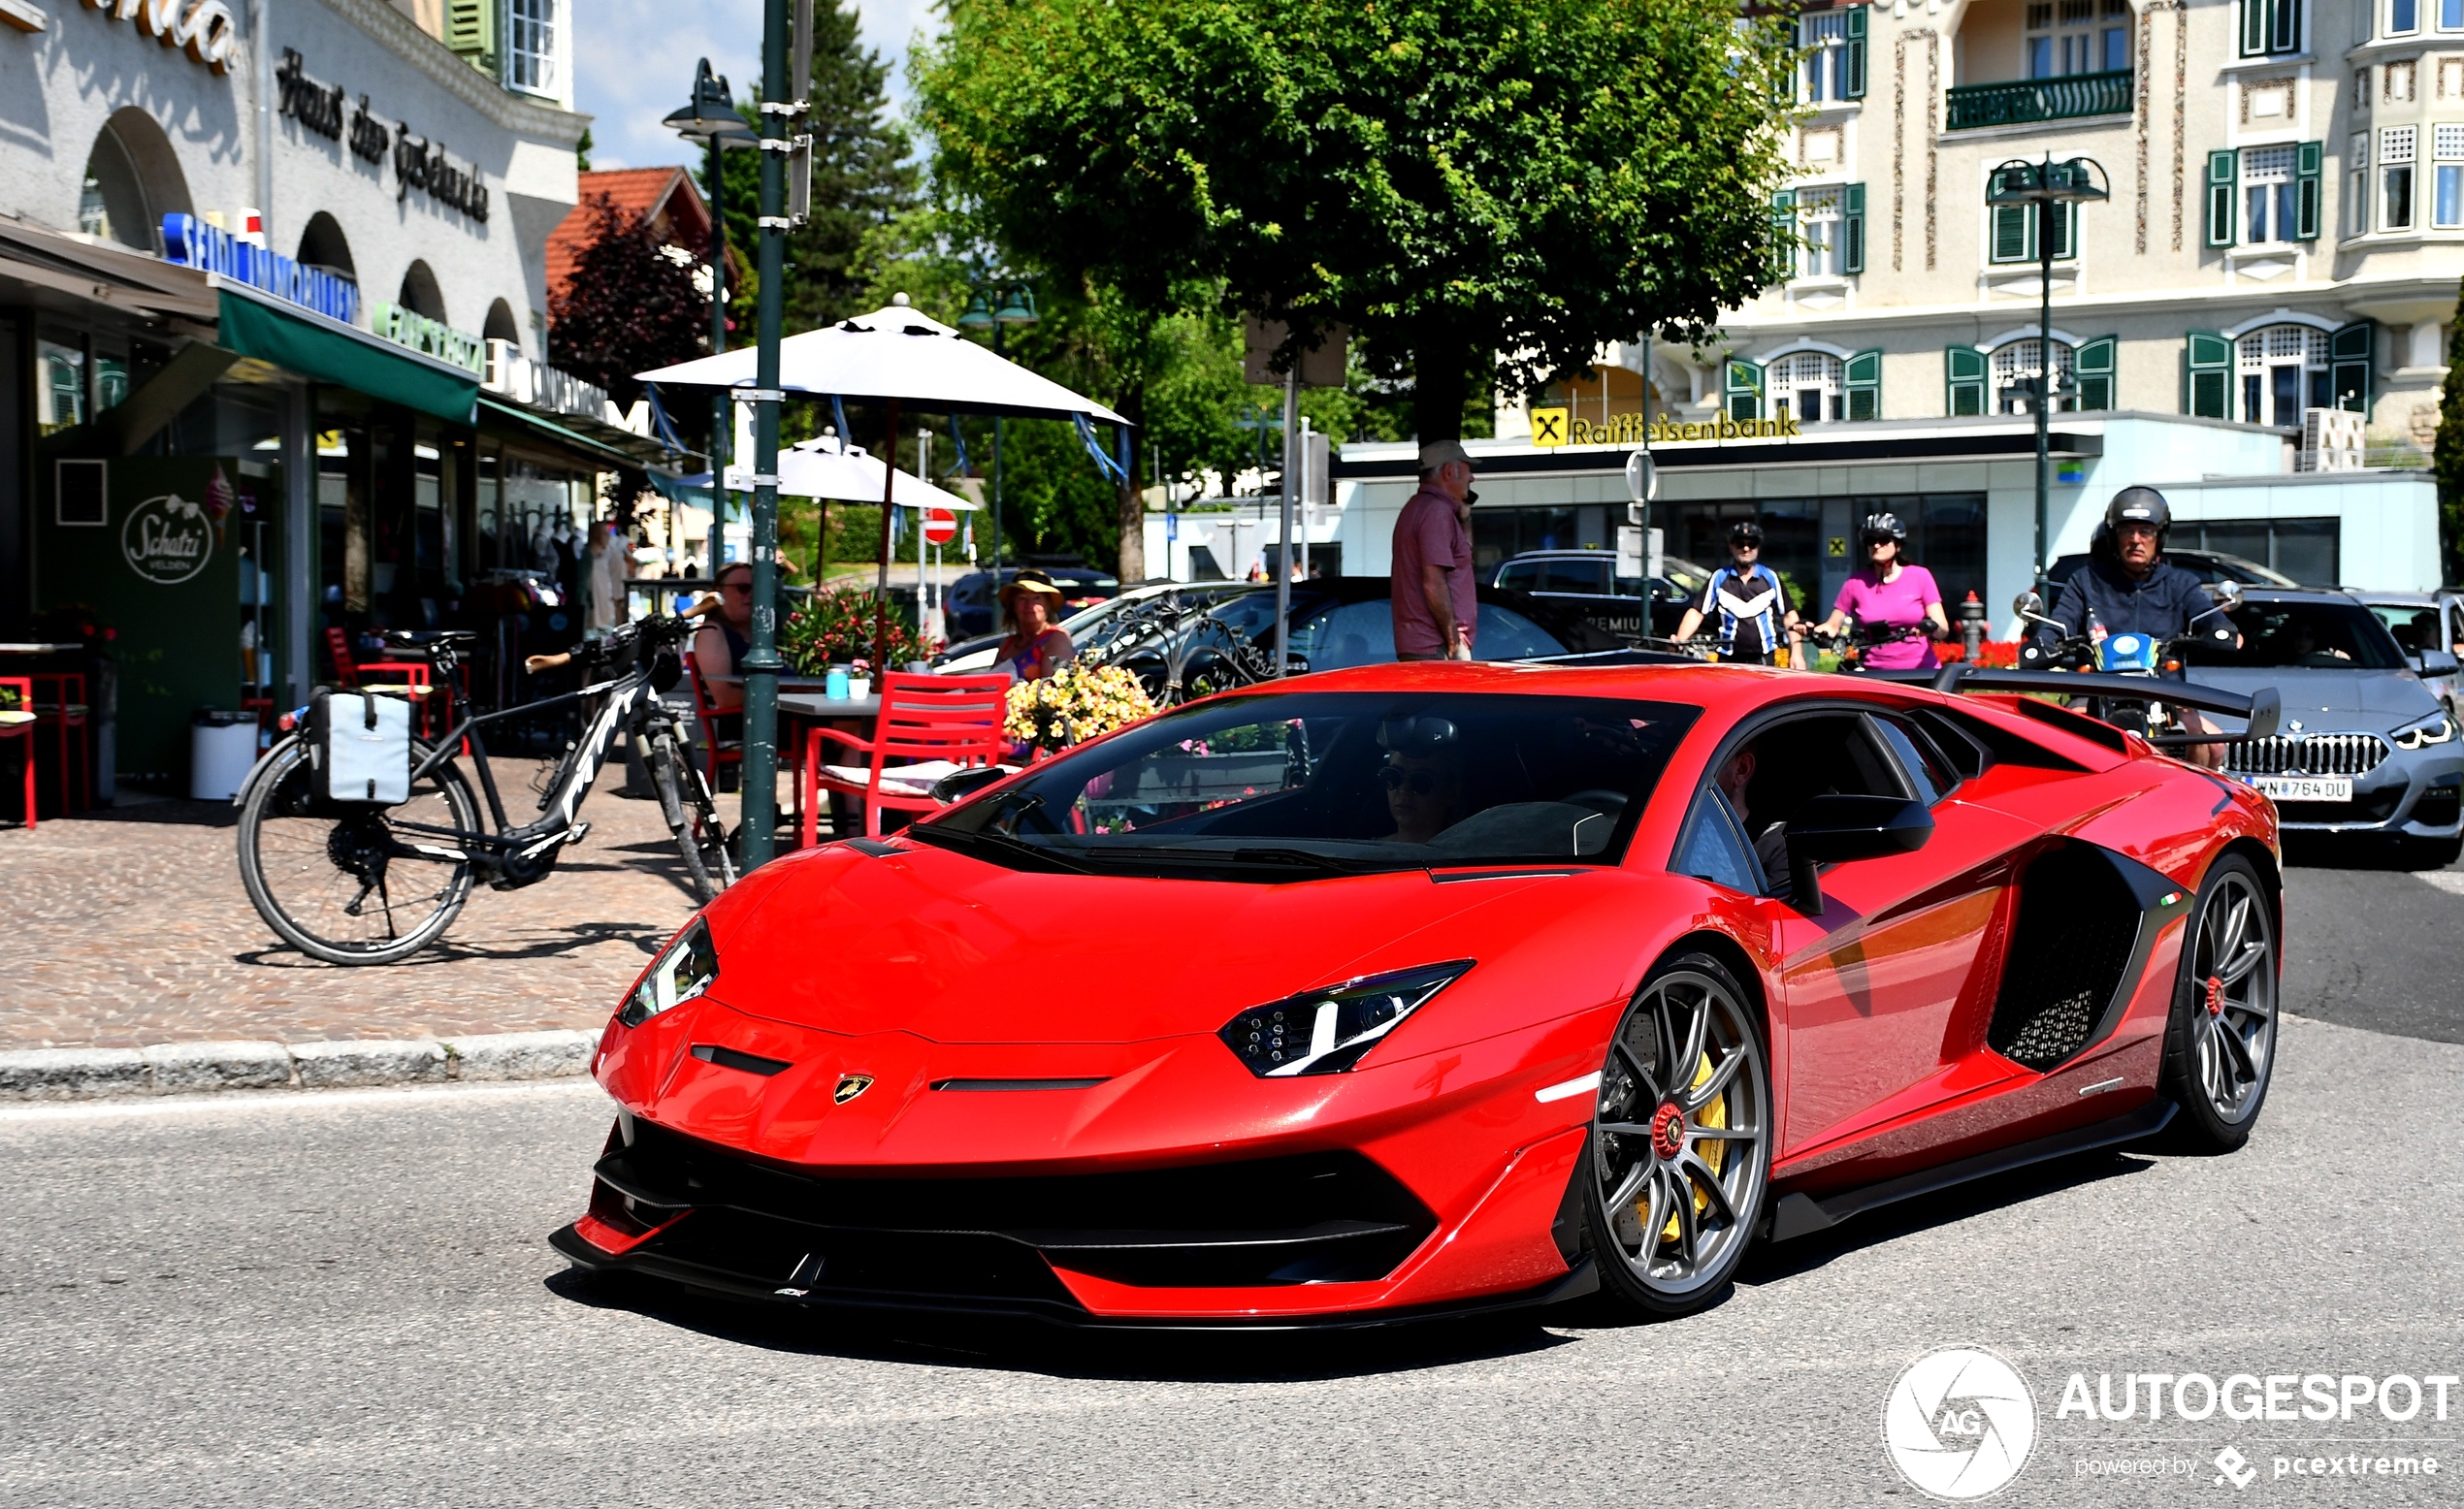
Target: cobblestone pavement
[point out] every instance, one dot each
(129, 928)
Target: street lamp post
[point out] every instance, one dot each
(710, 118)
(999, 303)
(2047, 186)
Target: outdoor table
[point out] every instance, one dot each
(799, 710)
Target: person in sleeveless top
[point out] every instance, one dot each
(1035, 646)
(1747, 601)
(725, 638)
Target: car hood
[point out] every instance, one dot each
(2362, 701)
(955, 950)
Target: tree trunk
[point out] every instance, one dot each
(1130, 505)
(1441, 380)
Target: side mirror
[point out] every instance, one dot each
(1830, 829)
(2028, 605)
(2267, 712)
(2228, 593)
(960, 785)
(2438, 662)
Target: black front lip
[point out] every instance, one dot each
(1582, 1280)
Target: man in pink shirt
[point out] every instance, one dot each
(1435, 606)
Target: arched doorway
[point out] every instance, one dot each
(132, 181)
(323, 246)
(420, 294)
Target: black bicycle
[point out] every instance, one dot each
(352, 884)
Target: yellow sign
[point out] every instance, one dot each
(1553, 427)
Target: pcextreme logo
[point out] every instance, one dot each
(1959, 1422)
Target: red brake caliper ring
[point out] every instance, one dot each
(2214, 995)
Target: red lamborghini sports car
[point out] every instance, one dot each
(1437, 988)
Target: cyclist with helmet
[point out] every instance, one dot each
(2127, 586)
(1749, 601)
(1891, 593)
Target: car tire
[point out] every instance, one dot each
(2219, 1045)
(1694, 1157)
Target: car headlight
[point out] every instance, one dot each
(1325, 1031)
(683, 971)
(2437, 728)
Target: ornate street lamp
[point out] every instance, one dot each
(2049, 185)
(996, 303)
(710, 118)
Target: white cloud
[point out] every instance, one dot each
(634, 62)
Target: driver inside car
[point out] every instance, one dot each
(1424, 790)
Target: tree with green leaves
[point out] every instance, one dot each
(2446, 454)
(862, 180)
(1482, 190)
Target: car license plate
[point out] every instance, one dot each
(2305, 789)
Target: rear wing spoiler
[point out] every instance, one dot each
(2261, 711)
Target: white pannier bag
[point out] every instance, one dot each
(359, 745)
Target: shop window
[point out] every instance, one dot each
(2446, 205)
(2270, 27)
(2282, 369)
(1809, 385)
(2016, 368)
(1499, 535)
(2013, 232)
(2307, 550)
(530, 59)
(1792, 537)
(2395, 178)
(1833, 66)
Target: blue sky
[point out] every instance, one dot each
(634, 62)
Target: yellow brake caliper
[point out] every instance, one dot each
(1714, 1115)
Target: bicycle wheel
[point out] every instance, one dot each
(684, 800)
(351, 887)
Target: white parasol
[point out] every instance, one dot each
(823, 467)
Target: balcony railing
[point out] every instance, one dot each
(2024, 100)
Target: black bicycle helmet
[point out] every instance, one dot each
(2139, 505)
(1745, 532)
(1885, 526)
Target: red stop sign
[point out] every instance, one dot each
(941, 525)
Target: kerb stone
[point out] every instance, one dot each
(325, 1066)
(522, 1055)
(181, 1067)
(67, 1074)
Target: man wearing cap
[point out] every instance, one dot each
(1435, 604)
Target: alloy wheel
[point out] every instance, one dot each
(1679, 1140)
(2234, 1014)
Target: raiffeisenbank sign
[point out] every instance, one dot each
(1551, 428)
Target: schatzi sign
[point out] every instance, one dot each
(419, 162)
(1551, 428)
(204, 29)
(167, 539)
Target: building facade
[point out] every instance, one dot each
(272, 308)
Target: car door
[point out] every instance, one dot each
(1887, 987)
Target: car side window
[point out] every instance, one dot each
(1350, 634)
(1790, 762)
(1575, 576)
(1715, 848)
(1919, 760)
(1520, 576)
(1503, 635)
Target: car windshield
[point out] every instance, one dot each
(2320, 636)
(1296, 785)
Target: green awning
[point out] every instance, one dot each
(497, 417)
(315, 346)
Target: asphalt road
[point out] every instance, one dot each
(346, 1299)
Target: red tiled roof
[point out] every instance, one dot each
(650, 191)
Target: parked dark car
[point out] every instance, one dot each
(972, 611)
(1588, 577)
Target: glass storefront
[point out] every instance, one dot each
(1498, 533)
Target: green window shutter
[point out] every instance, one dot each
(1851, 225)
(1741, 383)
(1864, 385)
(2093, 365)
(1964, 372)
(2223, 173)
(2348, 350)
(471, 27)
(1852, 69)
(2307, 161)
(2011, 240)
(2207, 376)
(2255, 27)
(2063, 220)
(1784, 234)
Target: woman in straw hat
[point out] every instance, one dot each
(1036, 646)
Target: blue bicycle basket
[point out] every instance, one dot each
(2126, 653)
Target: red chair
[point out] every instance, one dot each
(60, 705)
(714, 750)
(17, 728)
(412, 674)
(940, 724)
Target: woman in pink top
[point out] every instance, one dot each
(1890, 594)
